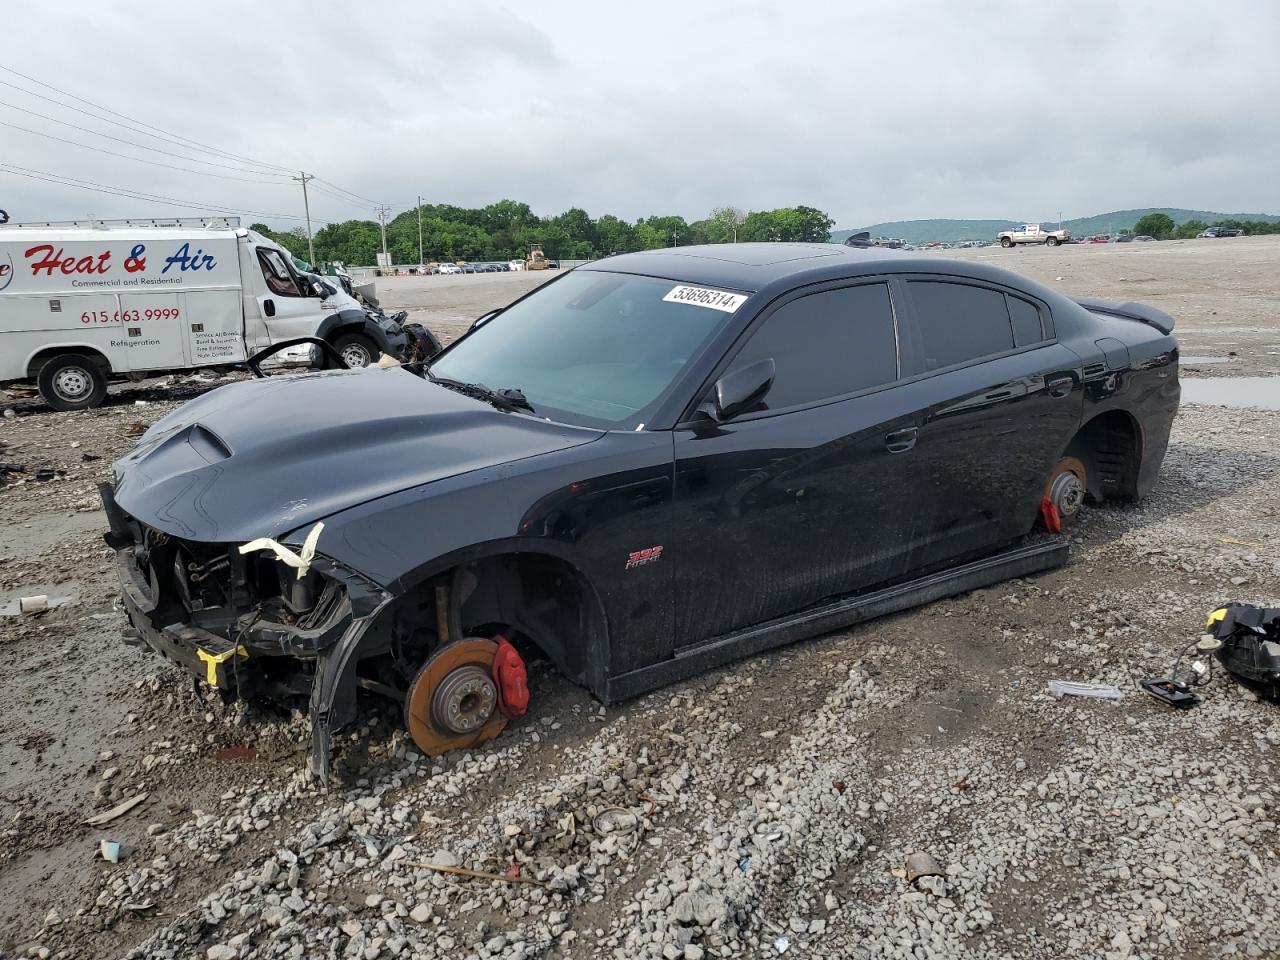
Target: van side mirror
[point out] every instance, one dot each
(321, 290)
(742, 389)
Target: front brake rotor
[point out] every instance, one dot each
(453, 701)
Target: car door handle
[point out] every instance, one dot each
(900, 441)
(1060, 387)
(269, 307)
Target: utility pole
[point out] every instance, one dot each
(421, 258)
(382, 219)
(306, 205)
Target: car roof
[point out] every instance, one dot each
(751, 267)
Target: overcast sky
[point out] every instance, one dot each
(871, 111)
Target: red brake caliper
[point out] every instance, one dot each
(1049, 512)
(511, 679)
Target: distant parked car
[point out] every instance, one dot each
(515, 264)
(1124, 238)
(1142, 238)
(1221, 232)
(449, 268)
(1099, 239)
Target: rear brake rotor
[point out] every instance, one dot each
(453, 701)
(1066, 487)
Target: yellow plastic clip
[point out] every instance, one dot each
(213, 660)
(1219, 614)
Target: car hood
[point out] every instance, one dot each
(264, 457)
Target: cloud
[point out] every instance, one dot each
(870, 112)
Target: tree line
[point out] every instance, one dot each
(507, 229)
(1162, 227)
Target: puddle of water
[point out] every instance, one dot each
(1260, 392)
(58, 594)
(14, 607)
(1200, 360)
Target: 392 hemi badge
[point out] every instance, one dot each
(640, 557)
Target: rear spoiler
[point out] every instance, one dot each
(1141, 312)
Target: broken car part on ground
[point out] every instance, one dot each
(648, 467)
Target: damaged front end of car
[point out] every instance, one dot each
(257, 619)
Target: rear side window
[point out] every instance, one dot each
(958, 322)
(1027, 328)
(827, 345)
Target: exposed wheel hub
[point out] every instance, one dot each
(464, 700)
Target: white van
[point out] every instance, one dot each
(82, 303)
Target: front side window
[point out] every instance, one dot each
(279, 279)
(958, 323)
(595, 348)
(826, 345)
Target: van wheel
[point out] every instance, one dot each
(357, 349)
(1006, 242)
(72, 381)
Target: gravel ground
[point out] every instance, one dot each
(770, 807)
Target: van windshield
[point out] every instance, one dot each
(591, 348)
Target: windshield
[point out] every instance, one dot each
(599, 349)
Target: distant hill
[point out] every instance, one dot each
(949, 231)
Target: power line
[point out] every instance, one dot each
(357, 196)
(103, 188)
(336, 192)
(338, 196)
(168, 136)
(125, 156)
(134, 143)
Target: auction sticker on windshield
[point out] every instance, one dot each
(706, 297)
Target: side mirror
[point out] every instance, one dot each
(320, 289)
(743, 389)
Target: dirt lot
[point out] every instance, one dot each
(765, 807)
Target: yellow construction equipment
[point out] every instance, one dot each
(536, 261)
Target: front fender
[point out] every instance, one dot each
(357, 321)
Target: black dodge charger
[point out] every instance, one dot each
(646, 467)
